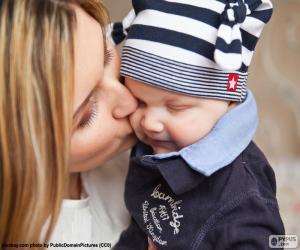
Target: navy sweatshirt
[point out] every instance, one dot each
(181, 209)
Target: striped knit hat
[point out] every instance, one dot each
(195, 47)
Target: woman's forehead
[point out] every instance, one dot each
(89, 56)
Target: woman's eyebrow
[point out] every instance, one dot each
(106, 53)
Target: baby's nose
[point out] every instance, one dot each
(152, 124)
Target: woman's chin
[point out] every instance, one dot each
(129, 142)
(96, 159)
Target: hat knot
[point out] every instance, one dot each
(235, 11)
(228, 51)
(117, 32)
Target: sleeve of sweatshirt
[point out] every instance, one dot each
(243, 226)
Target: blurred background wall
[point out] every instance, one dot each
(274, 79)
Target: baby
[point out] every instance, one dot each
(196, 180)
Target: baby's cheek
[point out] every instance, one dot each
(188, 133)
(179, 134)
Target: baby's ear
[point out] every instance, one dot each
(232, 105)
(139, 5)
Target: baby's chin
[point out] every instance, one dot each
(160, 150)
(163, 148)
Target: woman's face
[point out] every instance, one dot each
(102, 104)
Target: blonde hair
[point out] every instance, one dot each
(36, 92)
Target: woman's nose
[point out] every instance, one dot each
(125, 103)
(151, 122)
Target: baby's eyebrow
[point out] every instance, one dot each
(174, 100)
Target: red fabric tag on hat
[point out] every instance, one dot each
(232, 82)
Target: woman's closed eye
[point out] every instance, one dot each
(88, 117)
(89, 113)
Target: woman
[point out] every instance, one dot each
(62, 110)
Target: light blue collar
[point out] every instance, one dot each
(229, 137)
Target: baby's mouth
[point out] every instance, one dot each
(159, 143)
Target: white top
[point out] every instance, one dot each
(99, 218)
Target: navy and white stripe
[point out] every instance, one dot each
(194, 80)
(231, 36)
(209, 39)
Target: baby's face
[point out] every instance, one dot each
(168, 121)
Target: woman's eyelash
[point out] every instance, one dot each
(108, 55)
(88, 118)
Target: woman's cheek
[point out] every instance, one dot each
(94, 138)
(85, 145)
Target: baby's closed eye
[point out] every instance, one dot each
(178, 107)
